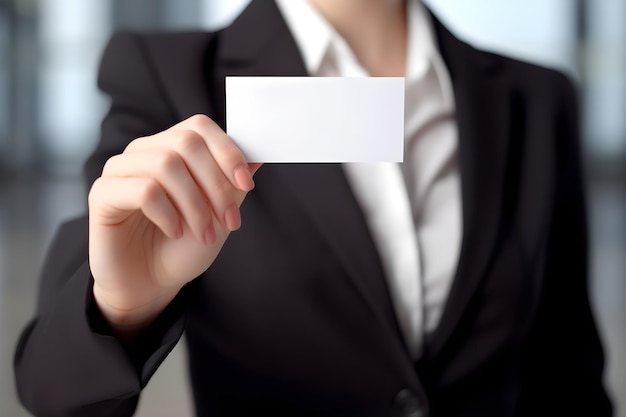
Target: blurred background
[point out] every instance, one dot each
(50, 111)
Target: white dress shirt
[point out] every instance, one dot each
(413, 210)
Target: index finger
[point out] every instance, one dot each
(226, 153)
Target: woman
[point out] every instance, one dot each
(451, 285)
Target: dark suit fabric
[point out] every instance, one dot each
(294, 317)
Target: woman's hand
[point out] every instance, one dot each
(159, 215)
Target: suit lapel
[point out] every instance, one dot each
(482, 98)
(259, 43)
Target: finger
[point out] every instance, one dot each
(228, 156)
(223, 198)
(170, 171)
(113, 199)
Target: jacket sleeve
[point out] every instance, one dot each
(563, 361)
(67, 363)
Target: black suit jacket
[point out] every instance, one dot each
(294, 317)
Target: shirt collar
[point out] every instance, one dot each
(315, 36)
(420, 41)
(317, 40)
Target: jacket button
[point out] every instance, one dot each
(409, 404)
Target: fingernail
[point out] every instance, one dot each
(209, 235)
(232, 218)
(243, 177)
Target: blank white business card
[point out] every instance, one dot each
(316, 119)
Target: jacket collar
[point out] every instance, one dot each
(482, 95)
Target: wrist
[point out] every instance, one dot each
(129, 315)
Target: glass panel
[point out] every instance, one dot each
(5, 71)
(219, 13)
(605, 68)
(542, 31)
(72, 34)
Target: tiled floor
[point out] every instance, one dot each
(31, 208)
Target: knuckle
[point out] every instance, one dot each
(200, 120)
(149, 192)
(109, 165)
(131, 146)
(94, 191)
(134, 144)
(203, 123)
(189, 141)
(168, 161)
